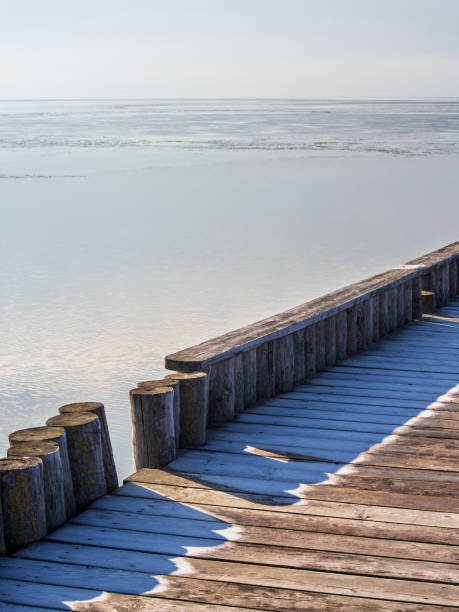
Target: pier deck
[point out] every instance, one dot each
(342, 494)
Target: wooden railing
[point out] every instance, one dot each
(271, 356)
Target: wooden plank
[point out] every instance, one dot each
(271, 538)
(410, 394)
(276, 520)
(307, 413)
(411, 461)
(88, 600)
(413, 487)
(393, 373)
(264, 598)
(321, 398)
(254, 555)
(407, 474)
(336, 405)
(309, 580)
(147, 485)
(317, 492)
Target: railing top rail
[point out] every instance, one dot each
(216, 349)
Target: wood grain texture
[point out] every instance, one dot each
(153, 432)
(58, 435)
(194, 396)
(53, 479)
(84, 443)
(111, 477)
(23, 501)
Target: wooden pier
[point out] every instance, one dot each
(327, 477)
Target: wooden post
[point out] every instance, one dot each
(154, 384)
(153, 435)
(2, 531)
(265, 371)
(111, 477)
(374, 316)
(383, 307)
(49, 453)
(320, 345)
(249, 366)
(23, 501)
(310, 351)
(194, 393)
(330, 341)
(341, 335)
(84, 443)
(408, 301)
(238, 384)
(284, 369)
(428, 301)
(221, 392)
(444, 284)
(392, 297)
(416, 308)
(453, 270)
(54, 434)
(299, 358)
(351, 342)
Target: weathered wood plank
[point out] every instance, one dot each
(276, 520)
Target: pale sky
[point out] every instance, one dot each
(228, 48)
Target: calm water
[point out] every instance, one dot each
(131, 229)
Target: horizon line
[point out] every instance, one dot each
(347, 98)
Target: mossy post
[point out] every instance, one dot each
(52, 434)
(23, 501)
(50, 455)
(111, 477)
(85, 454)
(194, 395)
(153, 434)
(152, 384)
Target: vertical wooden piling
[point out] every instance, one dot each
(374, 311)
(111, 477)
(320, 345)
(249, 366)
(23, 501)
(383, 307)
(84, 443)
(284, 370)
(310, 351)
(341, 335)
(53, 434)
(265, 371)
(330, 341)
(416, 307)
(50, 455)
(2, 530)
(351, 342)
(194, 393)
(221, 391)
(153, 434)
(176, 401)
(238, 383)
(453, 274)
(299, 358)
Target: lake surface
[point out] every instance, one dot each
(131, 229)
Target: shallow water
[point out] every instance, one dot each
(122, 253)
